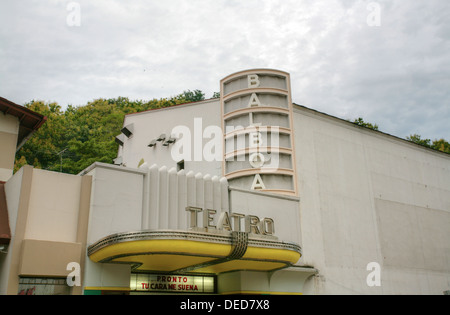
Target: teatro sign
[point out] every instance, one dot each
(236, 222)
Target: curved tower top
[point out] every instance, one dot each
(258, 135)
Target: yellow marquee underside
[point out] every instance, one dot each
(175, 255)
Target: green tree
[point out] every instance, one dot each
(73, 139)
(19, 163)
(42, 148)
(193, 96)
(440, 145)
(361, 122)
(418, 140)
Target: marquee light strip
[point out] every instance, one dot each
(219, 238)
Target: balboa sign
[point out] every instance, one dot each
(257, 107)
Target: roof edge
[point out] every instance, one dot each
(174, 106)
(349, 123)
(24, 110)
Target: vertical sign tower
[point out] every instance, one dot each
(258, 135)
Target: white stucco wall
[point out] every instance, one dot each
(116, 207)
(116, 201)
(370, 197)
(284, 210)
(124, 200)
(151, 124)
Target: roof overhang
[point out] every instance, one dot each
(29, 120)
(194, 252)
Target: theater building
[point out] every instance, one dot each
(248, 193)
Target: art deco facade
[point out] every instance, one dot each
(246, 194)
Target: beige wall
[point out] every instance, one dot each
(53, 263)
(9, 129)
(48, 217)
(54, 206)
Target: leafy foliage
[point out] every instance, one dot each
(440, 145)
(361, 122)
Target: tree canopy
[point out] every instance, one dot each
(73, 139)
(361, 122)
(440, 145)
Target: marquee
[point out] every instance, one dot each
(211, 252)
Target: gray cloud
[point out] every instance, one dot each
(395, 75)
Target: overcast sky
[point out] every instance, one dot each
(385, 61)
